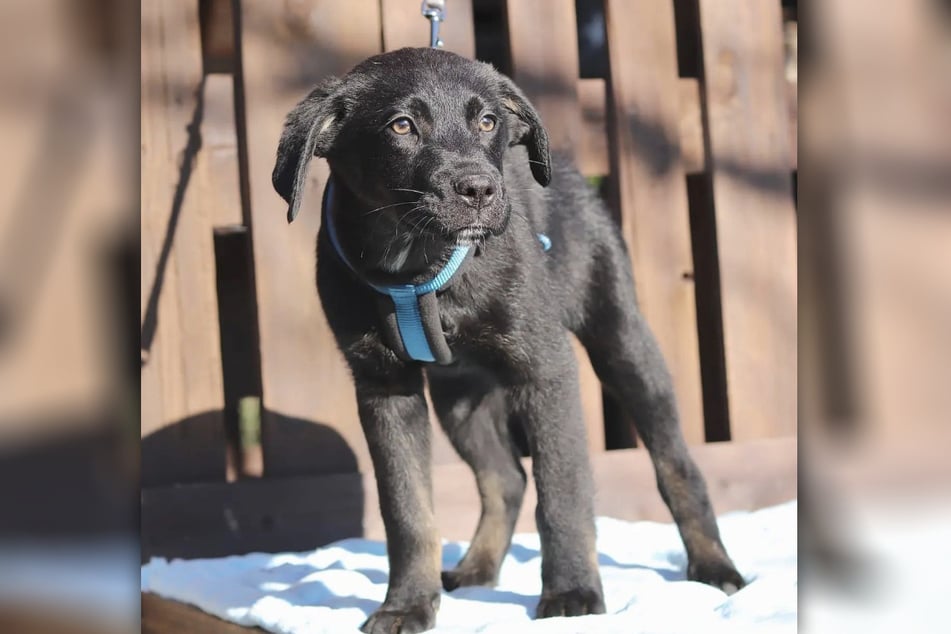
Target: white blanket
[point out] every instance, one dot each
(335, 588)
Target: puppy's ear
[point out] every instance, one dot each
(528, 130)
(309, 130)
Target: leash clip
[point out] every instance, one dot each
(435, 12)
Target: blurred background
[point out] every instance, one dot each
(875, 274)
(871, 202)
(69, 269)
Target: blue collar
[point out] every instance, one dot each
(416, 312)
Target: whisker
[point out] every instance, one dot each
(400, 189)
(419, 222)
(389, 245)
(409, 202)
(429, 222)
(425, 250)
(430, 236)
(407, 217)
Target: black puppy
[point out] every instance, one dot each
(437, 162)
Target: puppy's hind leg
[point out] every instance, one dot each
(629, 363)
(474, 414)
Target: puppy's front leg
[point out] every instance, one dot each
(396, 424)
(550, 407)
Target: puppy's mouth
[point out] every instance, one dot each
(473, 234)
(435, 220)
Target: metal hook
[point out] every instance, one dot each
(435, 12)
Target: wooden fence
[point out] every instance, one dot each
(690, 135)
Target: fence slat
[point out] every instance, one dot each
(691, 126)
(748, 125)
(310, 422)
(404, 25)
(238, 327)
(651, 182)
(593, 146)
(182, 395)
(549, 76)
(543, 41)
(220, 151)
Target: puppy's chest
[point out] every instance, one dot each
(477, 323)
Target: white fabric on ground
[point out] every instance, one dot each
(334, 588)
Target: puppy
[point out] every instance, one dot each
(455, 251)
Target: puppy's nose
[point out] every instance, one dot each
(477, 190)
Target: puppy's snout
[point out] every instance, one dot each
(477, 190)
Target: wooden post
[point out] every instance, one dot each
(647, 160)
(310, 422)
(182, 393)
(748, 151)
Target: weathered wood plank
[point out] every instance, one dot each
(549, 77)
(404, 25)
(305, 512)
(691, 126)
(593, 147)
(164, 616)
(650, 173)
(221, 191)
(219, 159)
(182, 393)
(287, 48)
(548, 74)
(748, 125)
(238, 327)
(217, 34)
(593, 150)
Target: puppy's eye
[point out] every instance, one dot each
(402, 126)
(487, 123)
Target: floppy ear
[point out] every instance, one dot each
(528, 131)
(309, 130)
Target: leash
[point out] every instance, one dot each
(435, 12)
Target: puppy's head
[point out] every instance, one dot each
(419, 134)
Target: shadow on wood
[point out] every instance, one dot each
(304, 447)
(189, 514)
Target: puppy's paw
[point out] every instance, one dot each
(719, 574)
(577, 602)
(402, 619)
(466, 575)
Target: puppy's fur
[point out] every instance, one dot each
(474, 168)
